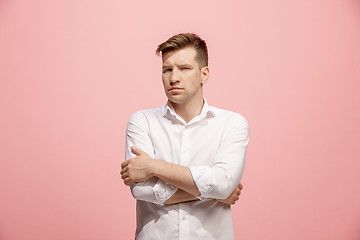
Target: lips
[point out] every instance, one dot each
(175, 88)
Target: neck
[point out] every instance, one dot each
(189, 110)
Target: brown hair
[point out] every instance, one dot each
(183, 40)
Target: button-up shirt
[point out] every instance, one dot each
(213, 146)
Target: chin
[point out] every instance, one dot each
(176, 99)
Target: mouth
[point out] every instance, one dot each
(175, 89)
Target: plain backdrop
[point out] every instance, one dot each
(72, 73)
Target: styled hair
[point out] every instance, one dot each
(184, 40)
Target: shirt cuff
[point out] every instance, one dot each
(203, 179)
(163, 191)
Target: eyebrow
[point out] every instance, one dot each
(179, 65)
(185, 65)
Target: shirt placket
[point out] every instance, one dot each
(184, 160)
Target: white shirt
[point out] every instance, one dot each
(213, 146)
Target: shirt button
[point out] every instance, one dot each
(185, 150)
(184, 218)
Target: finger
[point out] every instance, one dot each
(123, 170)
(127, 182)
(124, 176)
(241, 186)
(124, 164)
(234, 200)
(137, 151)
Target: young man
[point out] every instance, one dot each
(184, 160)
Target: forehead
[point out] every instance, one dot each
(184, 55)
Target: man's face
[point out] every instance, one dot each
(182, 76)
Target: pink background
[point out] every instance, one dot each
(72, 73)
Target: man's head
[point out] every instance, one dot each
(185, 69)
(185, 40)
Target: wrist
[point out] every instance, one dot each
(155, 168)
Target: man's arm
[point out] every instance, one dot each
(234, 196)
(182, 196)
(152, 190)
(143, 167)
(222, 178)
(216, 182)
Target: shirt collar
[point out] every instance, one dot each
(168, 110)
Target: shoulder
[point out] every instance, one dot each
(145, 113)
(142, 117)
(235, 126)
(232, 119)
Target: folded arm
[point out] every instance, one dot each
(144, 167)
(182, 196)
(221, 179)
(158, 181)
(153, 189)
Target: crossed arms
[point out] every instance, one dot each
(146, 175)
(143, 167)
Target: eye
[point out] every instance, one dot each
(185, 68)
(167, 70)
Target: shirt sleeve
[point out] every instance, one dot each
(154, 189)
(219, 180)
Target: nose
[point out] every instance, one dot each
(174, 76)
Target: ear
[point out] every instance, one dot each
(204, 75)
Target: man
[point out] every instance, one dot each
(184, 160)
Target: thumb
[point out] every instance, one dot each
(137, 151)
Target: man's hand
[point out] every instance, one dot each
(137, 169)
(234, 196)
(143, 167)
